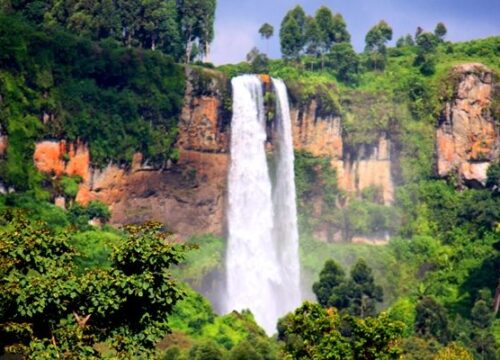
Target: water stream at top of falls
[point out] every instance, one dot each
(262, 263)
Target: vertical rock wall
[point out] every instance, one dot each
(322, 136)
(190, 195)
(467, 135)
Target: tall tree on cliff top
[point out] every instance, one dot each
(440, 31)
(266, 31)
(160, 27)
(332, 30)
(292, 33)
(339, 30)
(375, 41)
(312, 38)
(324, 21)
(197, 24)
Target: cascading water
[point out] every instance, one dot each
(286, 234)
(262, 257)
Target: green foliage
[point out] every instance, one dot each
(94, 248)
(266, 30)
(169, 26)
(330, 277)
(493, 176)
(292, 31)
(70, 185)
(50, 308)
(204, 265)
(197, 24)
(375, 41)
(312, 332)
(358, 295)
(194, 317)
(205, 351)
(426, 46)
(258, 61)
(440, 31)
(118, 100)
(431, 320)
(80, 215)
(345, 62)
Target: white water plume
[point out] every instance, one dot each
(262, 261)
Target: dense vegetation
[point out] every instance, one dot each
(73, 290)
(55, 85)
(182, 29)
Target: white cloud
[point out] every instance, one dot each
(233, 40)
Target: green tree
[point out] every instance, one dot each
(358, 295)
(339, 29)
(292, 33)
(409, 40)
(375, 47)
(313, 38)
(493, 176)
(362, 291)
(406, 40)
(311, 332)
(426, 46)
(197, 25)
(482, 339)
(258, 61)
(49, 307)
(440, 31)
(206, 351)
(291, 39)
(330, 277)
(325, 24)
(266, 31)
(431, 319)
(400, 42)
(345, 62)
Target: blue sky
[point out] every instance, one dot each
(237, 21)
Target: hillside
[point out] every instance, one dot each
(397, 177)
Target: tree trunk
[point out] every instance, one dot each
(207, 52)
(496, 301)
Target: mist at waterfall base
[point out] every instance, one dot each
(262, 260)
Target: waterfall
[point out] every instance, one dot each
(286, 234)
(262, 255)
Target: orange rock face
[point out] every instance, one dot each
(200, 128)
(4, 140)
(188, 197)
(323, 137)
(373, 167)
(317, 135)
(467, 137)
(59, 158)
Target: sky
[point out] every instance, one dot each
(238, 21)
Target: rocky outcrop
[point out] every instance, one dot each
(320, 135)
(204, 124)
(367, 166)
(188, 196)
(62, 158)
(467, 135)
(4, 140)
(370, 167)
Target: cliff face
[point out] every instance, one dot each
(322, 136)
(467, 136)
(60, 158)
(188, 196)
